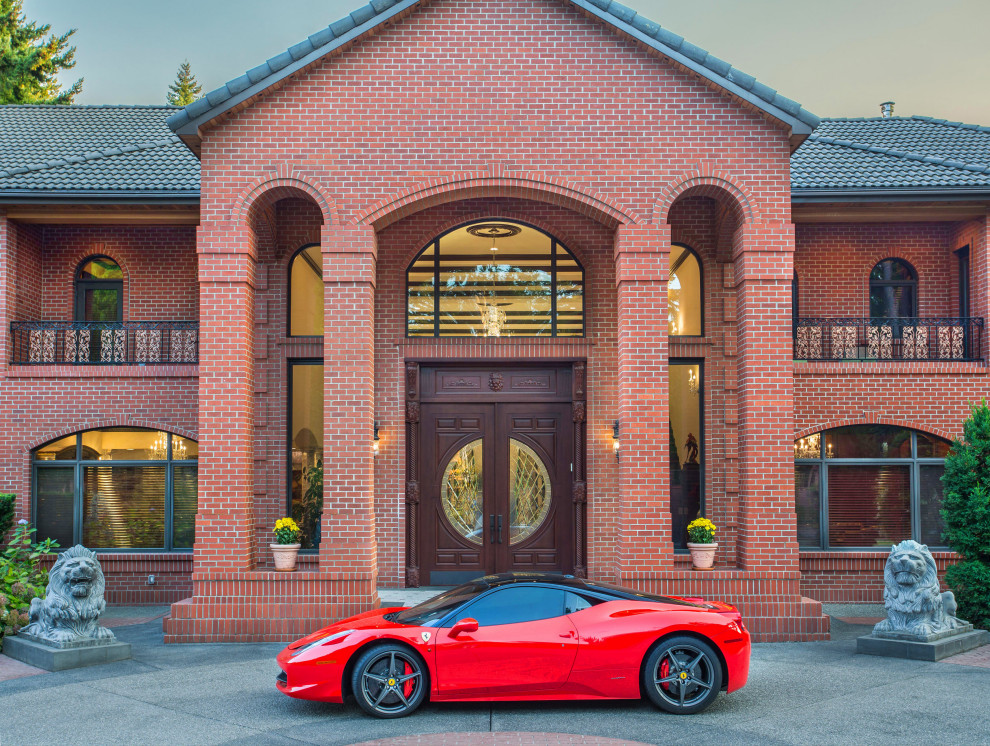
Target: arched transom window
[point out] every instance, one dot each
(99, 290)
(495, 278)
(893, 290)
(684, 294)
(306, 293)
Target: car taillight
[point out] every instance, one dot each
(736, 617)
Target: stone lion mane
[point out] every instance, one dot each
(911, 593)
(73, 603)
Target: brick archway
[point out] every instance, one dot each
(281, 184)
(706, 183)
(893, 421)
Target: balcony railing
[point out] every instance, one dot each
(104, 343)
(888, 339)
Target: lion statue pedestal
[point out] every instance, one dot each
(921, 622)
(64, 631)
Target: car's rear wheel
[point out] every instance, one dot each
(682, 675)
(389, 681)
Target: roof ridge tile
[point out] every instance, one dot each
(91, 155)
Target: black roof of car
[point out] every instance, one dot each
(569, 581)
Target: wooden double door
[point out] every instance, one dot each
(496, 475)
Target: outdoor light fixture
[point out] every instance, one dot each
(374, 445)
(615, 439)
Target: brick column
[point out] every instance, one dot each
(225, 515)
(348, 550)
(644, 541)
(764, 257)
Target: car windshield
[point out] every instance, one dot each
(429, 613)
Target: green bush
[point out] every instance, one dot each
(22, 578)
(966, 512)
(6, 513)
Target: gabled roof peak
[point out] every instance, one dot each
(186, 122)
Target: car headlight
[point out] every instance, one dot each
(322, 641)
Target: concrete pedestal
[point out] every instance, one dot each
(59, 659)
(922, 651)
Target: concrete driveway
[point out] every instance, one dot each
(798, 693)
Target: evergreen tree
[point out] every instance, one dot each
(185, 89)
(30, 59)
(966, 512)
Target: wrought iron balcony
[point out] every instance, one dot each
(104, 343)
(918, 339)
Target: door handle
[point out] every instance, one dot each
(499, 528)
(491, 525)
(569, 635)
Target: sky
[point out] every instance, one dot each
(837, 58)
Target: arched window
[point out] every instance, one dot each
(685, 312)
(117, 488)
(306, 293)
(99, 290)
(868, 486)
(893, 290)
(495, 278)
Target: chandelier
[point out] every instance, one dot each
(808, 447)
(492, 317)
(694, 383)
(159, 449)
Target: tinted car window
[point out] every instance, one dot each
(515, 604)
(574, 602)
(429, 613)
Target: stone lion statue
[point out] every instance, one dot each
(915, 608)
(70, 611)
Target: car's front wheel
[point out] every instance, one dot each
(389, 681)
(682, 675)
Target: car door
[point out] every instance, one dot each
(524, 643)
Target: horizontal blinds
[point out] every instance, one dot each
(930, 491)
(183, 506)
(54, 496)
(124, 507)
(807, 500)
(868, 506)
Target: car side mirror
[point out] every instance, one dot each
(464, 625)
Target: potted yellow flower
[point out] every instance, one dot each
(701, 542)
(286, 545)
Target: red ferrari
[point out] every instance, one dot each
(525, 636)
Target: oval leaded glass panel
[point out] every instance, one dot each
(461, 492)
(529, 491)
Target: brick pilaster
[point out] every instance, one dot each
(763, 259)
(642, 260)
(347, 547)
(225, 516)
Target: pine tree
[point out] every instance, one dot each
(185, 89)
(30, 59)
(966, 512)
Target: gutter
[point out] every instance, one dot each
(98, 198)
(906, 194)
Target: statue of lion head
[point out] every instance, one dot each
(910, 578)
(77, 573)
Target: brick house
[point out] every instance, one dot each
(522, 286)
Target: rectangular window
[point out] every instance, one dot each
(686, 462)
(306, 449)
(183, 506)
(807, 500)
(55, 503)
(123, 507)
(930, 503)
(868, 506)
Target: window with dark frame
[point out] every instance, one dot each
(962, 256)
(893, 290)
(495, 278)
(117, 489)
(305, 449)
(685, 293)
(686, 417)
(306, 292)
(99, 290)
(868, 486)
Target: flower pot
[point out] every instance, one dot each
(702, 555)
(285, 556)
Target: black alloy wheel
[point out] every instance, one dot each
(389, 681)
(682, 675)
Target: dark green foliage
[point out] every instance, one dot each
(185, 89)
(22, 578)
(30, 59)
(966, 511)
(6, 513)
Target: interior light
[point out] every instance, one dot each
(374, 446)
(615, 439)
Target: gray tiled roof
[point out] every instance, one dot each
(93, 150)
(625, 19)
(894, 153)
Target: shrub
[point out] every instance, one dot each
(22, 577)
(6, 513)
(966, 512)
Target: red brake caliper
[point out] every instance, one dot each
(407, 687)
(665, 672)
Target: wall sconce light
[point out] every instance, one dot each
(374, 446)
(615, 439)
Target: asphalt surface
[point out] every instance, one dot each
(798, 693)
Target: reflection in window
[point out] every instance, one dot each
(99, 291)
(461, 492)
(306, 293)
(893, 290)
(117, 488)
(684, 310)
(868, 486)
(306, 433)
(686, 458)
(513, 605)
(495, 279)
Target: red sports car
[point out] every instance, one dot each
(525, 636)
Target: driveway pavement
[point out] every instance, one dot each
(798, 693)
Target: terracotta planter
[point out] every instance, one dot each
(285, 556)
(702, 555)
